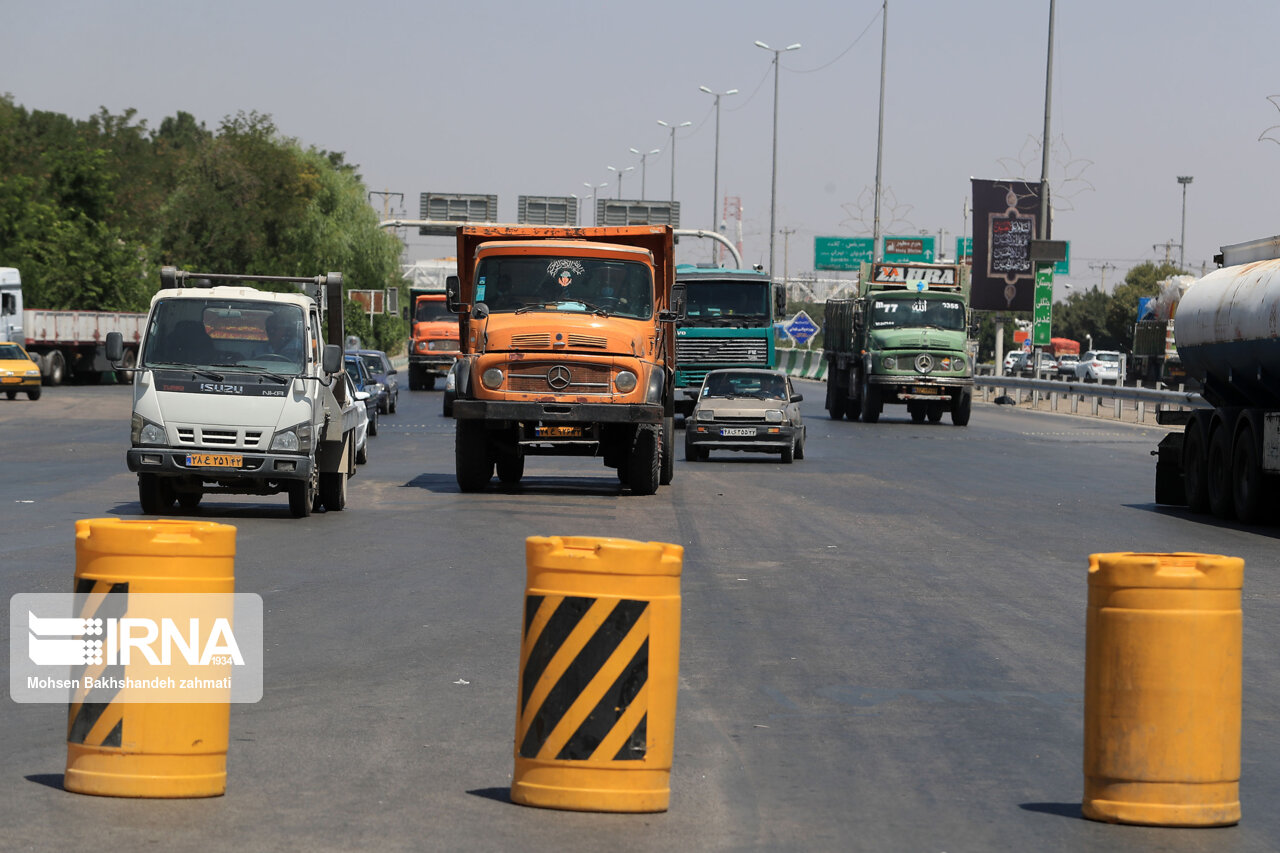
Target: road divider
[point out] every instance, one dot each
(599, 666)
(806, 364)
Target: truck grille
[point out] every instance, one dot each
(198, 437)
(540, 340)
(544, 377)
(722, 350)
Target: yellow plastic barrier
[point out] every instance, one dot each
(1162, 689)
(131, 749)
(599, 664)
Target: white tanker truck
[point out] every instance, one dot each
(1227, 459)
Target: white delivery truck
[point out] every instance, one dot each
(236, 392)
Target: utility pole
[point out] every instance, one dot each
(786, 252)
(386, 195)
(1104, 266)
(1168, 250)
(1182, 244)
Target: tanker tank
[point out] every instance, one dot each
(1228, 334)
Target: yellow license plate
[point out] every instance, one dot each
(558, 432)
(214, 460)
(11, 380)
(925, 389)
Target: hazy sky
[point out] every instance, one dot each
(538, 98)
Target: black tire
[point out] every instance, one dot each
(963, 408)
(333, 490)
(392, 403)
(188, 501)
(870, 398)
(789, 453)
(1218, 468)
(690, 450)
(1194, 468)
(429, 382)
(124, 375)
(473, 466)
(1248, 483)
(917, 413)
(511, 468)
(644, 464)
(836, 401)
(800, 446)
(12, 395)
(373, 423)
(934, 412)
(155, 494)
(56, 369)
(302, 497)
(668, 470)
(362, 453)
(34, 393)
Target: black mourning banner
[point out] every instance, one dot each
(1005, 220)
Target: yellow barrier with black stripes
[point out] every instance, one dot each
(131, 749)
(599, 667)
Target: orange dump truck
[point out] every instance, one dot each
(433, 329)
(569, 350)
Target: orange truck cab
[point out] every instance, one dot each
(433, 343)
(569, 349)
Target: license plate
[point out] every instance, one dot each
(729, 432)
(925, 389)
(557, 432)
(11, 379)
(214, 460)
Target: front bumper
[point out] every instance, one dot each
(904, 388)
(556, 412)
(766, 438)
(19, 383)
(255, 469)
(437, 363)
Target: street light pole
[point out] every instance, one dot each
(1182, 243)
(674, 128)
(715, 180)
(773, 191)
(595, 218)
(643, 156)
(620, 173)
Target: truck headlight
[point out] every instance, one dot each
(143, 431)
(421, 346)
(492, 378)
(295, 439)
(444, 344)
(625, 381)
(890, 363)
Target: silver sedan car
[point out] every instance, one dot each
(748, 410)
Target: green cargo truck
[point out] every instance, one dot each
(902, 341)
(728, 323)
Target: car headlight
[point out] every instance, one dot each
(35, 372)
(625, 382)
(890, 363)
(492, 378)
(705, 415)
(295, 439)
(773, 416)
(143, 431)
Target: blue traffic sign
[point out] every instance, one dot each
(801, 328)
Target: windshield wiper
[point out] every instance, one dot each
(260, 371)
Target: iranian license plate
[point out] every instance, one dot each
(557, 432)
(8, 380)
(729, 432)
(214, 460)
(925, 389)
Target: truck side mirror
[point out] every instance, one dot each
(453, 295)
(115, 347)
(677, 310)
(779, 300)
(331, 358)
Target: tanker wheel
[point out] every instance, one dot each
(1194, 469)
(1219, 473)
(1247, 481)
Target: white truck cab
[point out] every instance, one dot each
(236, 392)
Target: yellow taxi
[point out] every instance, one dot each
(18, 372)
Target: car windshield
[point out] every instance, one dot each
(725, 302)
(764, 386)
(372, 363)
(261, 337)
(581, 285)
(915, 313)
(1108, 356)
(12, 351)
(357, 375)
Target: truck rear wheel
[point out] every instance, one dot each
(1218, 466)
(1194, 471)
(124, 376)
(333, 490)
(155, 494)
(836, 400)
(472, 465)
(55, 370)
(644, 464)
(1247, 480)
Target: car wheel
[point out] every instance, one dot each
(362, 453)
(12, 395)
(789, 453)
(34, 394)
(870, 402)
(373, 423)
(391, 407)
(800, 446)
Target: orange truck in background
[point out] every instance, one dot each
(433, 328)
(569, 350)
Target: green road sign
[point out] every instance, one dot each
(1063, 267)
(841, 253)
(904, 250)
(964, 249)
(1042, 310)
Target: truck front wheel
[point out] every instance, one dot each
(302, 495)
(870, 402)
(644, 464)
(155, 494)
(472, 464)
(668, 451)
(963, 407)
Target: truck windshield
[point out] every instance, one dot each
(725, 302)
(432, 310)
(918, 313)
(582, 285)
(262, 337)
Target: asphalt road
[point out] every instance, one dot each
(882, 644)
